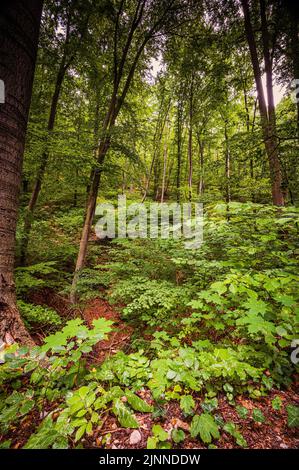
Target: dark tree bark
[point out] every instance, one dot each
(293, 9)
(19, 31)
(267, 113)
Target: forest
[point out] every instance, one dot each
(149, 224)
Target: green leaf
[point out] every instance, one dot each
(45, 436)
(258, 415)
(26, 407)
(89, 428)
(171, 374)
(152, 443)
(159, 432)
(187, 404)
(126, 419)
(219, 287)
(293, 416)
(242, 411)
(177, 435)
(5, 444)
(101, 326)
(80, 432)
(276, 403)
(205, 426)
(137, 403)
(211, 405)
(231, 429)
(256, 306)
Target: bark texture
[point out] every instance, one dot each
(267, 111)
(19, 30)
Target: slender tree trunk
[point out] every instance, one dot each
(156, 143)
(200, 188)
(19, 30)
(165, 154)
(227, 165)
(190, 157)
(267, 115)
(179, 148)
(90, 210)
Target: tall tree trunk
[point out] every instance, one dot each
(200, 187)
(267, 115)
(165, 154)
(227, 166)
(19, 31)
(156, 144)
(179, 147)
(190, 158)
(89, 215)
(293, 10)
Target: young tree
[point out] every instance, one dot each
(19, 31)
(149, 20)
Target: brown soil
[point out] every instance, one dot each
(117, 339)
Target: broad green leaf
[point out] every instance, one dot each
(187, 404)
(242, 411)
(205, 426)
(258, 415)
(233, 431)
(178, 435)
(124, 416)
(293, 416)
(276, 403)
(80, 432)
(137, 403)
(152, 443)
(159, 432)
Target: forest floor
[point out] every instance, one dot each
(271, 434)
(274, 433)
(152, 274)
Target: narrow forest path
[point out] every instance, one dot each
(118, 337)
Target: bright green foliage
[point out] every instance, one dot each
(34, 277)
(208, 324)
(124, 416)
(293, 416)
(159, 438)
(149, 300)
(276, 403)
(187, 404)
(242, 411)
(39, 315)
(233, 431)
(177, 435)
(258, 415)
(138, 404)
(53, 368)
(205, 426)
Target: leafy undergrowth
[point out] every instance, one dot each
(180, 349)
